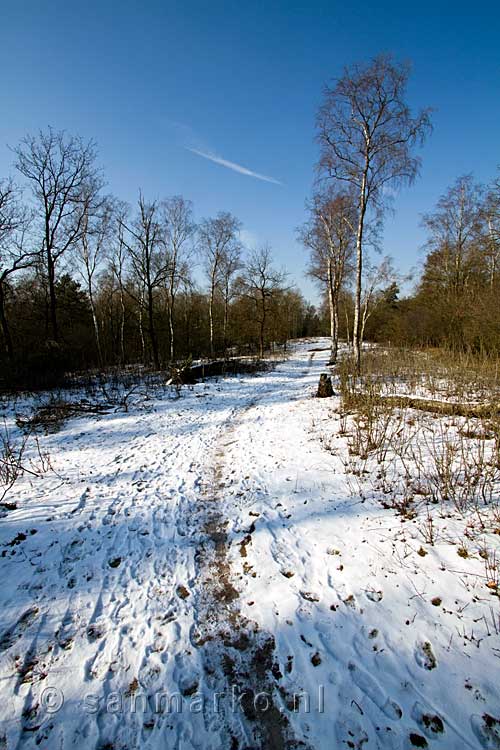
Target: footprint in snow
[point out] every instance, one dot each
(350, 601)
(369, 686)
(73, 551)
(370, 641)
(487, 730)
(333, 551)
(388, 738)
(431, 724)
(185, 676)
(374, 596)
(424, 655)
(96, 630)
(11, 635)
(149, 673)
(43, 734)
(67, 632)
(159, 642)
(350, 733)
(310, 596)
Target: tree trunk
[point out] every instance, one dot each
(52, 296)
(96, 332)
(170, 306)
(5, 326)
(356, 334)
(141, 329)
(331, 304)
(152, 332)
(96, 324)
(262, 326)
(122, 327)
(364, 318)
(226, 318)
(211, 317)
(493, 254)
(333, 358)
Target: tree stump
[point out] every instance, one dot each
(325, 388)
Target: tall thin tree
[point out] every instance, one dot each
(179, 229)
(329, 234)
(367, 135)
(217, 238)
(143, 240)
(92, 248)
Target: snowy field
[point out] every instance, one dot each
(204, 573)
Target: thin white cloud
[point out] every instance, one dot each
(232, 165)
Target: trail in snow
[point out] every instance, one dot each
(202, 577)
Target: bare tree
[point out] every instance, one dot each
(65, 186)
(491, 215)
(289, 311)
(455, 229)
(261, 283)
(231, 264)
(92, 247)
(118, 267)
(377, 279)
(366, 134)
(329, 234)
(179, 229)
(143, 240)
(14, 255)
(218, 239)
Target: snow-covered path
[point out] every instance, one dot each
(198, 575)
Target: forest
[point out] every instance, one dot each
(88, 282)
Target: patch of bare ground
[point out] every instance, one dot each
(239, 657)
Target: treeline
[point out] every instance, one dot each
(456, 303)
(87, 281)
(367, 138)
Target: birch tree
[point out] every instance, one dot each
(119, 267)
(218, 239)
(144, 242)
(261, 282)
(329, 235)
(92, 249)
(231, 264)
(179, 230)
(491, 215)
(367, 136)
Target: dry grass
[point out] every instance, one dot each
(421, 462)
(436, 373)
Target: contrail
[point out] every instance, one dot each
(232, 165)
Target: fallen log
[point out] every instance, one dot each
(188, 373)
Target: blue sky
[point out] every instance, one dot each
(150, 80)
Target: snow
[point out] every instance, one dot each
(192, 549)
